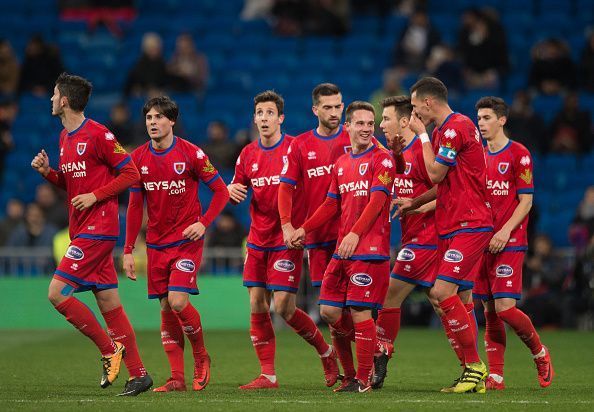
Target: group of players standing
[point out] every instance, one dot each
(463, 209)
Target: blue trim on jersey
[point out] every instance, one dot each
(281, 288)
(516, 296)
(135, 189)
(411, 281)
(362, 257)
(123, 163)
(274, 146)
(249, 284)
(78, 128)
(164, 152)
(191, 291)
(370, 305)
(289, 181)
(157, 296)
(212, 179)
(408, 146)
(166, 245)
(333, 195)
(525, 191)
(380, 189)
(331, 303)
(320, 244)
(462, 283)
(463, 288)
(515, 249)
(447, 119)
(490, 153)
(482, 297)
(469, 230)
(316, 134)
(355, 156)
(445, 162)
(266, 249)
(417, 246)
(86, 285)
(316, 284)
(96, 237)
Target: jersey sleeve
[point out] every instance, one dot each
(111, 151)
(205, 171)
(137, 186)
(333, 190)
(450, 145)
(292, 167)
(523, 172)
(384, 173)
(240, 176)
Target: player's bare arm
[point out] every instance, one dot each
(41, 163)
(435, 170)
(500, 239)
(129, 266)
(237, 192)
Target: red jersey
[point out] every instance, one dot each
(509, 174)
(417, 229)
(260, 168)
(89, 159)
(354, 178)
(462, 201)
(169, 179)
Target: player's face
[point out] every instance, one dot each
(158, 126)
(489, 124)
(391, 125)
(267, 119)
(361, 128)
(422, 108)
(329, 111)
(57, 103)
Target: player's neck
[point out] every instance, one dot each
(163, 143)
(498, 142)
(72, 120)
(271, 140)
(360, 149)
(324, 131)
(408, 136)
(442, 114)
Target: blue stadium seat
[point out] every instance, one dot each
(547, 106)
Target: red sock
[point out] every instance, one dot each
(523, 327)
(342, 333)
(461, 326)
(120, 330)
(365, 337)
(471, 315)
(495, 340)
(388, 324)
(307, 329)
(264, 341)
(189, 318)
(452, 339)
(83, 319)
(172, 337)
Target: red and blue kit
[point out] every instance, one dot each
(269, 264)
(417, 260)
(509, 174)
(90, 158)
(169, 180)
(463, 215)
(361, 280)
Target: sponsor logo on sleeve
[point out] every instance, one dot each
(179, 167)
(526, 176)
(80, 148)
(117, 148)
(504, 271)
(284, 265)
(186, 265)
(503, 167)
(385, 178)
(453, 255)
(75, 253)
(208, 167)
(361, 279)
(447, 152)
(406, 255)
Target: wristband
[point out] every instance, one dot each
(424, 138)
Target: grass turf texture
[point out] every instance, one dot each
(60, 370)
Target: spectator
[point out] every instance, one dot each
(8, 111)
(15, 211)
(552, 68)
(442, 63)
(219, 148)
(34, 231)
(571, 130)
(53, 208)
(416, 42)
(581, 231)
(188, 68)
(149, 74)
(587, 65)
(289, 17)
(256, 9)
(391, 87)
(9, 69)
(524, 125)
(122, 126)
(41, 67)
(328, 17)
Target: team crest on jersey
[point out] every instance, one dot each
(504, 271)
(363, 168)
(80, 148)
(348, 149)
(361, 279)
(185, 265)
(406, 255)
(179, 167)
(408, 168)
(503, 167)
(75, 253)
(284, 265)
(525, 160)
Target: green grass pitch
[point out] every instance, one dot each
(60, 370)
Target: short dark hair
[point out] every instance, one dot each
(324, 89)
(401, 104)
(358, 105)
(497, 104)
(271, 96)
(76, 89)
(163, 105)
(430, 86)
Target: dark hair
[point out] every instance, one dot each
(497, 104)
(358, 105)
(163, 105)
(401, 104)
(430, 86)
(271, 96)
(76, 89)
(323, 89)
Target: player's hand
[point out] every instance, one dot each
(288, 231)
(401, 206)
(298, 239)
(194, 231)
(237, 192)
(129, 266)
(41, 163)
(84, 201)
(499, 240)
(348, 245)
(416, 125)
(398, 144)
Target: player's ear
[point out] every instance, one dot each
(281, 119)
(314, 109)
(502, 120)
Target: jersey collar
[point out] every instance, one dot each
(273, 146)
(332, 136)
(162, 152)
(78, 128)
(355, 156)
(410, 144)
(500, 150)
(447, 119)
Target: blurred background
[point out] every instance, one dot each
(212, 57)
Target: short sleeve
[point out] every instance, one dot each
(240, 175)
(523, 172)
(204, 169)
(333, 190)
(110, 151)
(384, 173)
(292, 166)
(450, 145)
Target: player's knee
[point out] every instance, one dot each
(177, 303)
(329, 314)
(501, 305)
(285, 310)
(55, 297)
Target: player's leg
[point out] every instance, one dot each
(495, 344)
(172, 338)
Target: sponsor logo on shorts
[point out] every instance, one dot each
(284, 265)
(75, 253)
(406, 255)
(361, 279)
(504, 271)
(453, 255)
(185, 265)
